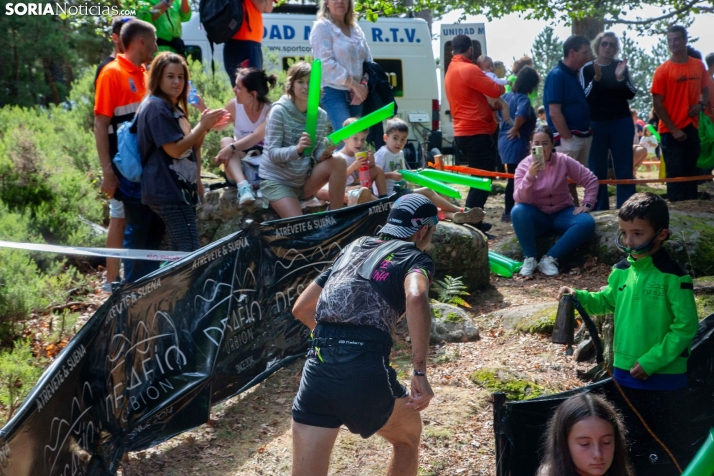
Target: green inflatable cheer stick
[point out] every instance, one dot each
(450, 177)
(703, 462)
(363, 124)
(438, 187)
(496, 268)
(512, 265)
(313, 102)
(654, 132)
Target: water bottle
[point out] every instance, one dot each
(192, 94)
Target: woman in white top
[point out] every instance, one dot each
(248, 112)
(339, 42)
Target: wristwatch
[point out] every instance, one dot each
(233, 147)
(588, 206)
(419, 374)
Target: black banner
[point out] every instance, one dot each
(160, 352)
(519, 426)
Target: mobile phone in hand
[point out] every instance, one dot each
(538, 156)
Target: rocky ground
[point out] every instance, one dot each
(250, 434)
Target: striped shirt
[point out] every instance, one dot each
(281, 161)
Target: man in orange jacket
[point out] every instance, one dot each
(474, 124)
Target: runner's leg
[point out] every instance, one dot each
(312, 446)
(403, 431)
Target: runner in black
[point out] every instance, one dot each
(352, 309)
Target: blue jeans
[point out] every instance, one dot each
(237, 51)
(614, 136)
(336, 104)
(529, 222)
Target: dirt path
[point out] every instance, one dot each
(250, 434)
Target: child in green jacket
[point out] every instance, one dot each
(655, 320)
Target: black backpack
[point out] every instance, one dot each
(221, 19)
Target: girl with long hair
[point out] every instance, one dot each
(585, 437)
(169, 147)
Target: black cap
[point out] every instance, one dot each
(410, 213)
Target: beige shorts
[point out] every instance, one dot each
(577, 148)
(273, 191)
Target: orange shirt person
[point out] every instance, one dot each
(244, 50)
(474, 124)
(680, 90)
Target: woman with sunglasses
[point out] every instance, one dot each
(608, 89)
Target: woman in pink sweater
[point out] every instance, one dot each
(544, 204)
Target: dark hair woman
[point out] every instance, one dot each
(248, 112)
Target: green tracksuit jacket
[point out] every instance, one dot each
(655, 315)
(168, 25)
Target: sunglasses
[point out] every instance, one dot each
(608, 44)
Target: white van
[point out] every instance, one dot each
(401, 46)
(477, 33)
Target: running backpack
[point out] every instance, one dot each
(221, 19)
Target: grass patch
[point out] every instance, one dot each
(705, 304)
(500, 380)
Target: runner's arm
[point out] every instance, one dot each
(416, 286)
(306, 305)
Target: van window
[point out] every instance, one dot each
(393, 68)
(448, 55)
(194, 52)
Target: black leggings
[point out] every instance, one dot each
(509, 196)
(180, 221)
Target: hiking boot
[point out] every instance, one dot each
(529, 265)
(245, 195)
(548, 266)
(469, 215)
(358, 195)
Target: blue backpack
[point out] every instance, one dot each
(128, 160)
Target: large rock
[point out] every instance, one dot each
(691, 244)
(220, 214)
(451, 324)
(460, 251)
(457, 250)
(531, 318)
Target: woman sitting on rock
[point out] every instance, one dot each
(292, 167)
(248, 111)
(543, 204)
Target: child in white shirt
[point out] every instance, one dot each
(390, 158)
(355, 193)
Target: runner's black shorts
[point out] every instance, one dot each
(346, 385)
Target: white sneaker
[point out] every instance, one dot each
(245, 195)
(529, 265)
(358, 195)
(548, 266)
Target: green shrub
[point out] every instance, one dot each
(48, 168)
(19, 371)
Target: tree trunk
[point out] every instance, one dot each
(588, 27)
